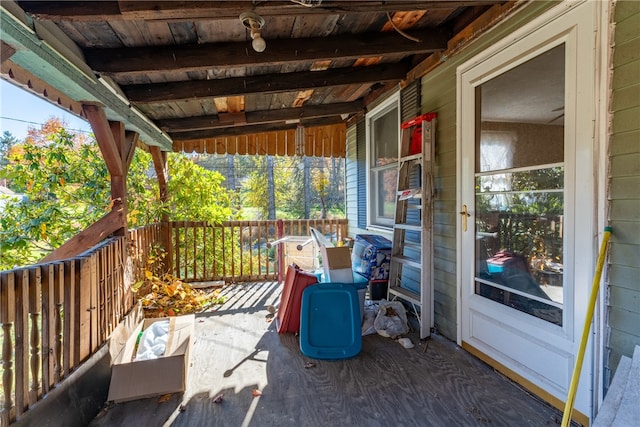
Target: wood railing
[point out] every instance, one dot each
(238, 251)
(55, 315)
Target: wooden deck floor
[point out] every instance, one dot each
(237, 350)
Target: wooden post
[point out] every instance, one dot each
(7, 319)
(280, 249)
(160, 164)
(35, 292)
(117, 148)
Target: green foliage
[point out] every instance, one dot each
(289, 187)
(196, 194)
(66, 188)
(321, 185)
(289, 182)
(7, 140)
(256, 189)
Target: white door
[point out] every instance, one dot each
(527, 228)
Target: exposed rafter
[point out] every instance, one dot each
(36, 55)
(280, 51)
(183, 70)
(292, 115)
(271, 83)
(186, 10)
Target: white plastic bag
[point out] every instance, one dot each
(370, 313)
(391, 320)
(153, 342)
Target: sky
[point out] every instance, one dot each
(20, 110)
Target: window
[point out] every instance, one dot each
(383, 130)
(519, 184)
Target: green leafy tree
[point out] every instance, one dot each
(321, 185)
(58, 178)
(6, 142)
(196, 194)
(66, 188)
(255, 188)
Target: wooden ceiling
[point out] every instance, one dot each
(189, 66)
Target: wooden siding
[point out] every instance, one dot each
(439, 95)
(351, 179)
(624, 180)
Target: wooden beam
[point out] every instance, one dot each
(102, 131)
(461, 39)
(261, 117)
(44, 62)
(131, 142)
(119, 181)
(90, 236)
(145, 60)
(190, 10)
(160, 165)
(264, 84)
(250, 129)
(6, 51)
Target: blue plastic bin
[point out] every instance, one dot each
(370, 256)
(330, 321)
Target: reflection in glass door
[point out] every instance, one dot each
(525, 122)
(519, 187)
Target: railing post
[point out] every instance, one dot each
(165, 232)
(7, 319)
(280, 235)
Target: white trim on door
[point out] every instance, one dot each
(573, 23)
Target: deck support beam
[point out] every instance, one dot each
(117, 148)
(160, 164)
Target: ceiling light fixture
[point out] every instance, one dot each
(254, 22)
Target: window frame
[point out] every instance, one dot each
(373, 219)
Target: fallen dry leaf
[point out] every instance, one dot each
(309, 365)
(164, 398)
(218, 398)
(257, 393)
(182, 408)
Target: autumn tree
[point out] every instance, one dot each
(321, 185)
(66, 188)
(7, 140)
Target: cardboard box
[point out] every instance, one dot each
(144, 378)
(337, 264)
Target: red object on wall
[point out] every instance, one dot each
(296, 280)
(416, 140)
(416, 136)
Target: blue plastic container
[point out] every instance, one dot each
(330, 321)
(370, 256)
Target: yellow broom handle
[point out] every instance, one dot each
(571, 397)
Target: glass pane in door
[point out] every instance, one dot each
(519, 187)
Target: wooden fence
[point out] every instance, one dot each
(239, 251)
